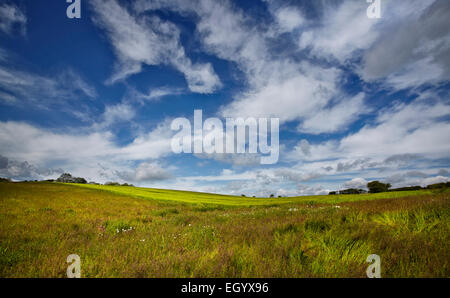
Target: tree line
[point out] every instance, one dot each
(377, 187)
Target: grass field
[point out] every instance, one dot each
(136, 232)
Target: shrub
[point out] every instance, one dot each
(351, 191)
(377, 186)
(438, 185)
(112, 183)
(67, 178)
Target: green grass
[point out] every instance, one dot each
(214, 199)
(135, 232)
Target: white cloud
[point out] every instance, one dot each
(7, 98)
(359, 183)
(247, 159)
(336, 118)
(434, 180)
(12, 18)
(140, 40)
(17, 170)
(293, 93)
(414, 49)
(345, 28)
(146, 172)
(81, 152)
(416, 128)
(116, 113)
(289, 18)
(158, 93)
(277, 86)
(42, 91)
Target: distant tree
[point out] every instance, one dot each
(438, 185)
(65, 178)
(377, 186)
(68, 178)
(351, 191)
(112, 183)
(272, 195)
(406, 188)
(280, 196)
(5, 180)
(332, 193)
(243, 195)
(79, 180)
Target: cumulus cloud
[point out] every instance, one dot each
(343, 29)
(277, 86)
(413, 50)
(81, 152)
(288, 18)
(414, 178)
(408, 47)
(335, 118)
(413, 128)
(434, 180)
(146, 172)
(359, 183)
(23, 170)
(304, 80)
(402, 131)
(121, 112)
(148, 40)
(282, 95)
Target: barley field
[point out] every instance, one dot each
(136, 232)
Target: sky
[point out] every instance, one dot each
(358, 98)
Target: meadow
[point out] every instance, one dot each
(136, 232)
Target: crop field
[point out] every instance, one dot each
(135, 232)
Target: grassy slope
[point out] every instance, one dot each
(206, 198)
(41, 224)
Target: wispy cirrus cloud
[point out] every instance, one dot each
(26, 86)
(12, 19)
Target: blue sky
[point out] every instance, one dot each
(358, 99)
